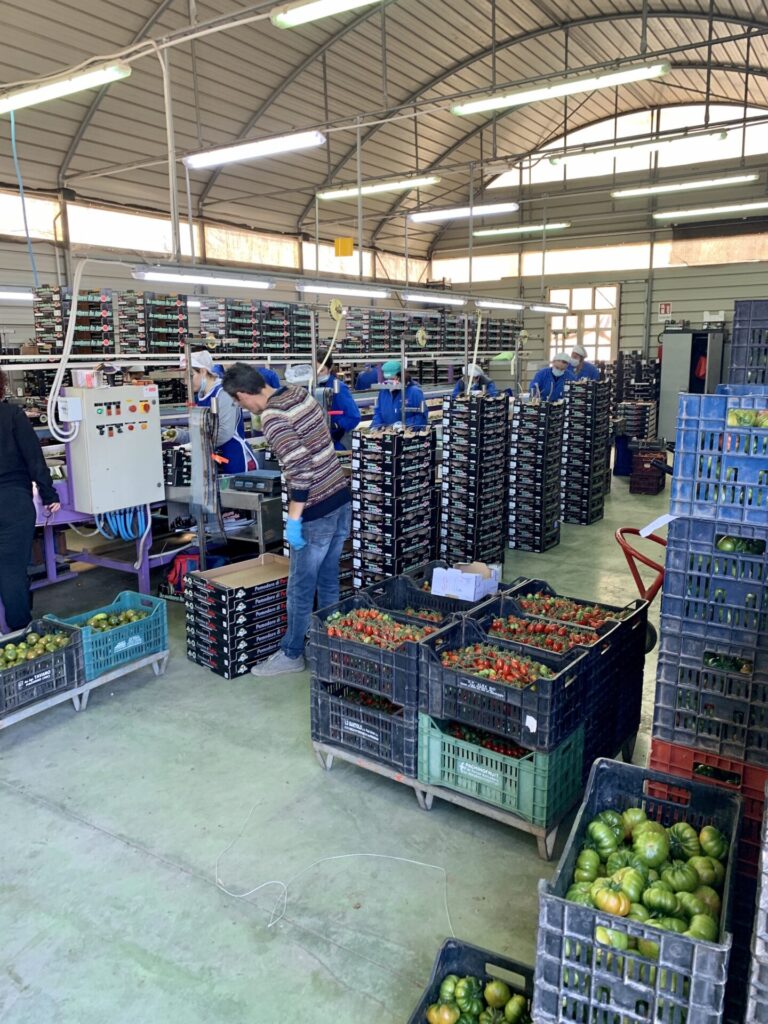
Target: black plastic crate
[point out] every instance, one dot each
(401, 592)
(336, 718)
(579, 979)
(539, 716)
(30, 681)
(464, 960)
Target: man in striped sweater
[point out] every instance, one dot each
(319, 510)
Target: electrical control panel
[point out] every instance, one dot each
(116, 460)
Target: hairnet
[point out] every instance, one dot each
(391, 368)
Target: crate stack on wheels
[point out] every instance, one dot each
(472, 509)
(534, 464)
(711, 707)
(749, 343)
(585, 452)
(392, 500)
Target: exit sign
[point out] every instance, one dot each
(665, 309)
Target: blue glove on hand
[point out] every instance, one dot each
(294, 535)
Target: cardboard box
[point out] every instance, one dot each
(468, 582)
(242, 579)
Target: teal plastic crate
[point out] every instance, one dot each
(104, 652)
(538, 787)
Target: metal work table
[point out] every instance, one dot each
(267, 527)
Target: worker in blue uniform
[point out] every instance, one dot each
(229, 442)
(479, 380)
(341, 407)
(549, 382)
(270, 377)
(389, 405)
(367, 378)
(580, 369)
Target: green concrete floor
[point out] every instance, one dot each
(113, 821)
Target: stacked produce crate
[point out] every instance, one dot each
(392, 483)
(94, 323)
(535, 460)
(177, 466)
(608, 374)
(237, 321)
(711, 707)
(166, 322)
(585, 455)
(749, 343)
(637, 378)
(647, 477)
(236, 616)
(639, 418)
(473, 470)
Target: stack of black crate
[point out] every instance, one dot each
(392, 484)
(535, 460)
(472, 512)
(585, 443)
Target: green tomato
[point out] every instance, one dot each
(631, 818)
(690, 904)
(651, 846)
(491, 1016)
(469, 995)
(713, 842)
(587, 866)
(708, 869)
(649, 826)
(516, 1010)
(710, 899)
(631, 882)
(611, 937)
(448, 988)
(660, 899)
(680, 876)
(671, 924)
(648, 948)
(602, 838)
(497, 993)
(624, 858)
(701, 926)
(683, 841)
(637, 912)
(614, 822)
(579, 892)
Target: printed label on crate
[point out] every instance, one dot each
(482, 686)
(358, 729)
(42, 676)
(132, 641)
(478, 773)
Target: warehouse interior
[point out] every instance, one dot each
(455, 199)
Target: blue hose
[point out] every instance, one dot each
(125, 523)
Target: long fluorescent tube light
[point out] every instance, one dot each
(254, 150)
(356, 291)
(547, 307)
(640, 147)
(385, 186)
(16, 295)
(436, 298)
(457, 212)
(683, 186)
(524, 229)
(498, 304)
(292, 15)
(54, 90)
(566, 87)
(705, 211)
(184, 275)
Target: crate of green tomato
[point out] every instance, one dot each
(636, 918)
(37, 662)
(470, 985)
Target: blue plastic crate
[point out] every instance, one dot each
(577, 978)
(105, 651)
(692, 547)
(715, 620)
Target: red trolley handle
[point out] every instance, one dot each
(632, 556)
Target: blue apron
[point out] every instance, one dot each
(236, 451)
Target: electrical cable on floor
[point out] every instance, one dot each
(20, 182)
(282, 899)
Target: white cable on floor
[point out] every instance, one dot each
(282, 898)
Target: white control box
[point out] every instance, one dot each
(116, 460)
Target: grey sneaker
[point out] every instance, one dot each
(278, 664)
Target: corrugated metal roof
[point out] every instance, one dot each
(259, 80)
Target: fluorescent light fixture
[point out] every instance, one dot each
(683, 186)
(498, 304)
(254, 150)
(384, 186)
(457, 212)
(54, 90)
(705, 211)
(356, 291)
(436, 298)
(192, 275)
(641, 147)
(292, 15)
(547, 307)
(522, 229)
(16, 295)
(565, 87)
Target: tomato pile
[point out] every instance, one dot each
(495, 663)
(562, 608)
(632, 867)
(481, 738)
(424, 613)
(374, 627)
(372, 701)
(551, 636)
(461, 1000)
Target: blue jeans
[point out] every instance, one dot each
(315, 567)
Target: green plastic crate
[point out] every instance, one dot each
(538, 787)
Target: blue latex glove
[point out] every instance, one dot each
(294, 535)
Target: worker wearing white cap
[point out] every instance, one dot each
(580, 368)
(479, 380)
(229, 441)
(549, 382)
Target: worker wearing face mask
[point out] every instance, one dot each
(479, 381)
(389, 405)
(580, 368)
(341, 407)
(549, 382)
(229, 442)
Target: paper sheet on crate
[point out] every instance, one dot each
(657, 524)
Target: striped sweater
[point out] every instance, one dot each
(297, 431)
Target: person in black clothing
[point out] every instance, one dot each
(21, 463)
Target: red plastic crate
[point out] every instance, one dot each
(738, 776)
